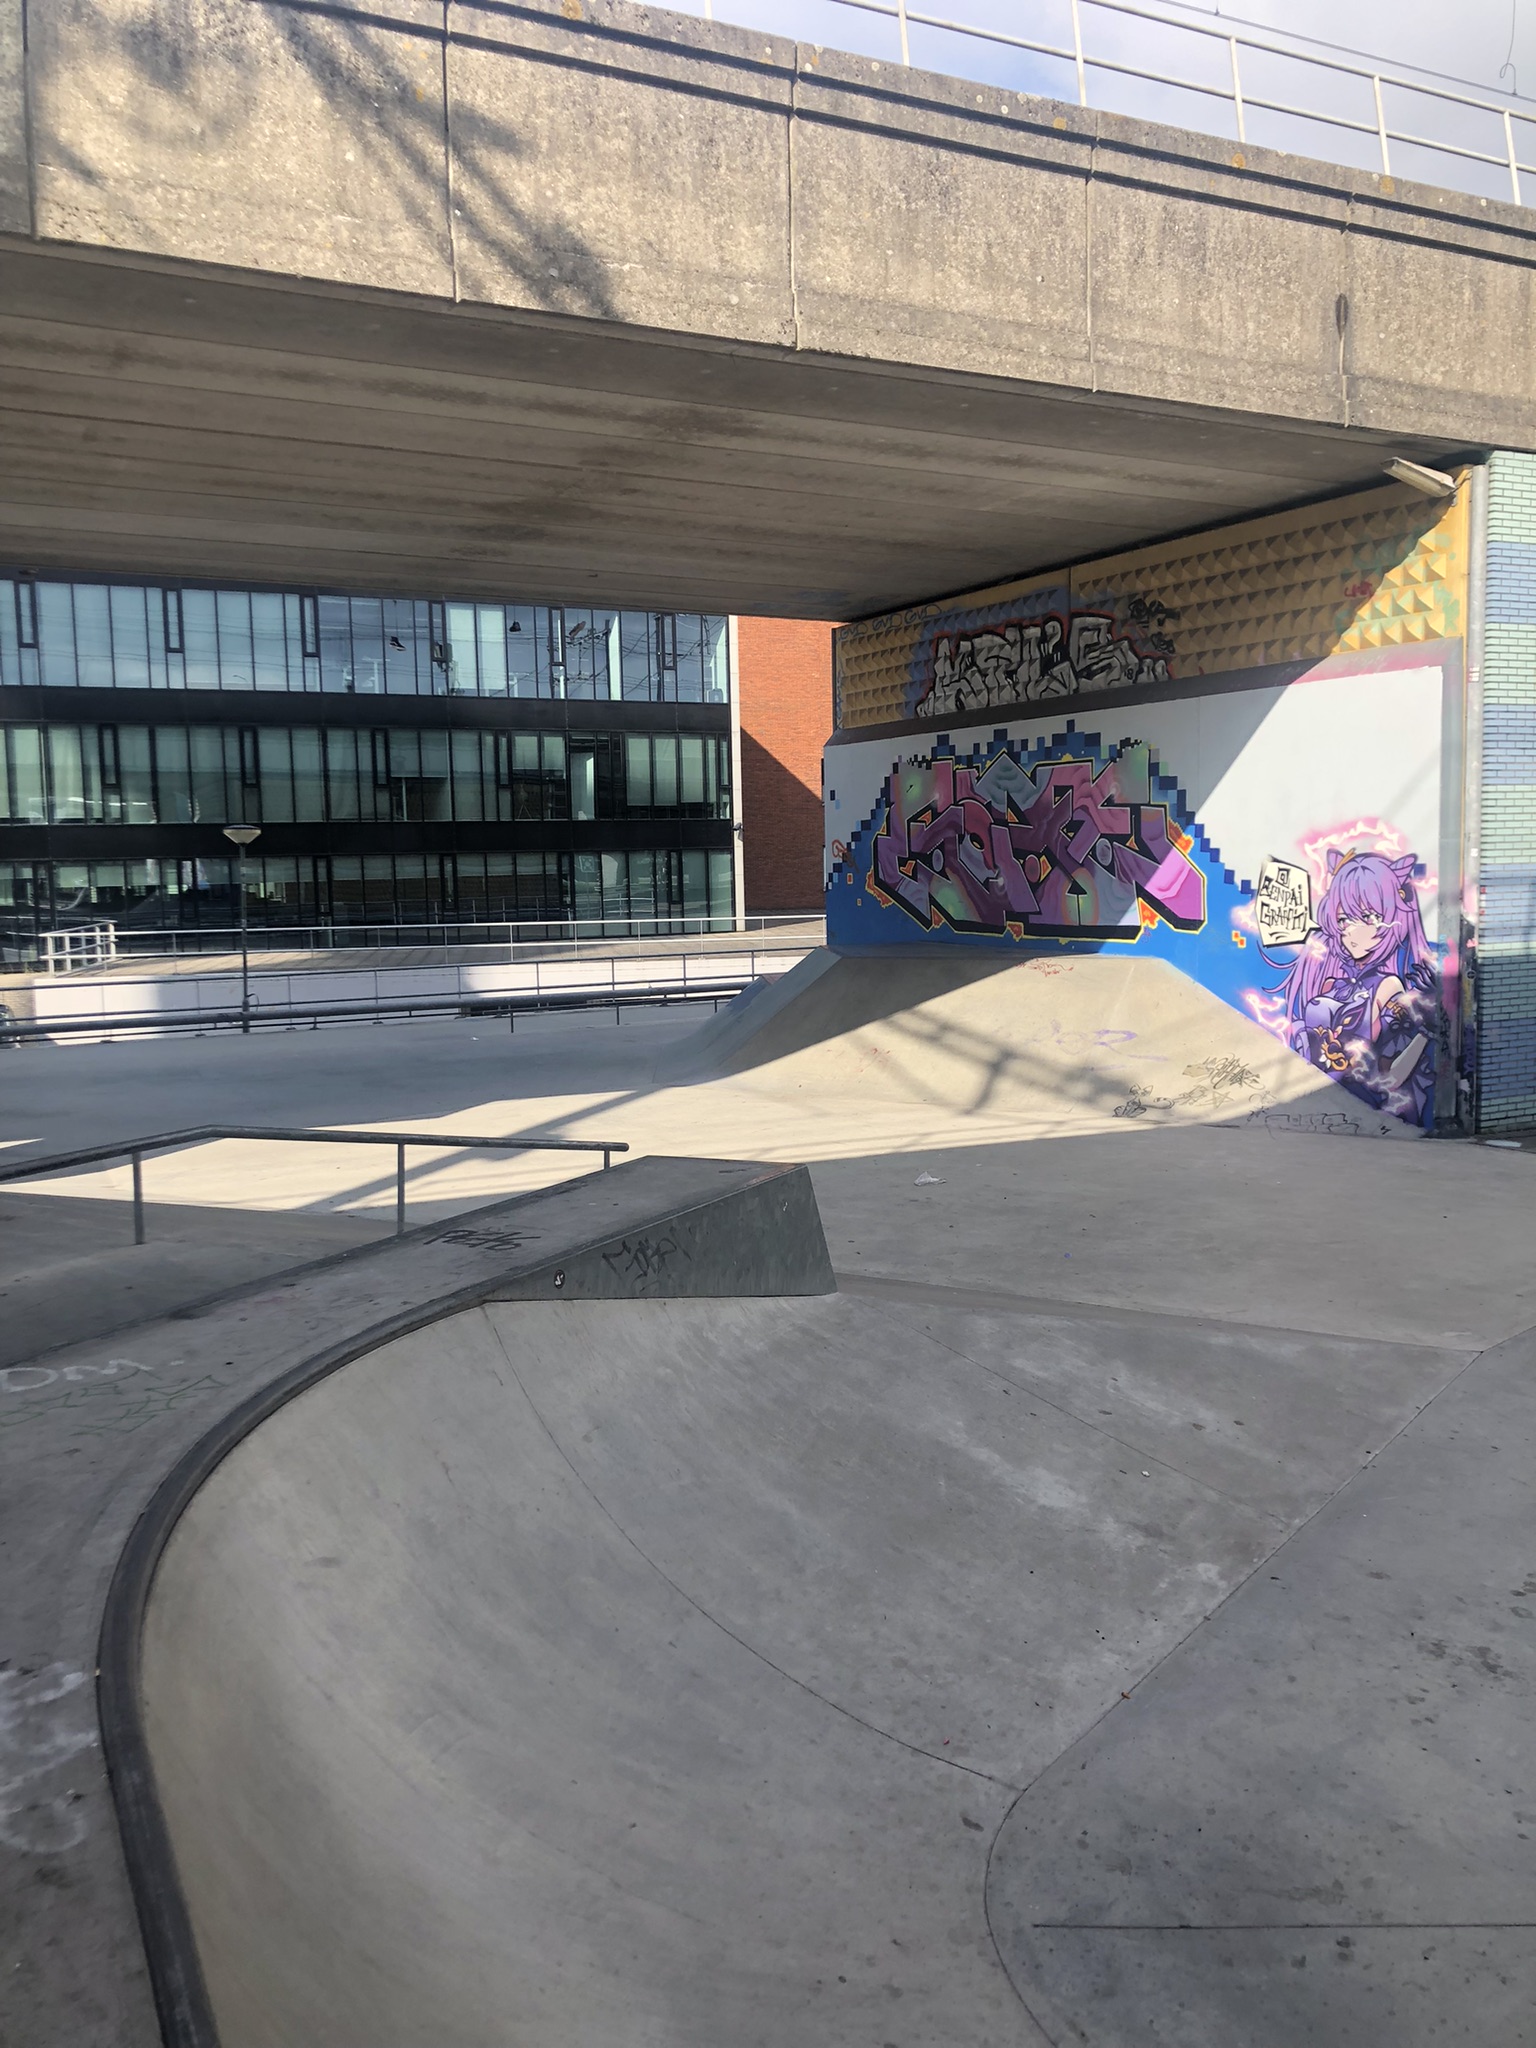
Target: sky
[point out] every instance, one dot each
(1409, 32)
(1466, 44)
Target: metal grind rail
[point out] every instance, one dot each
(135, 1149)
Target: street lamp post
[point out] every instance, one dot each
(242, 835)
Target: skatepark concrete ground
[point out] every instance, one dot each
(1107, 1618)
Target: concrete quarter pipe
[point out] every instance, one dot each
(680, 1673)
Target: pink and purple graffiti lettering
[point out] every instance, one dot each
(1063, 850)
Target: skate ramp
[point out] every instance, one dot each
(1051, 1042)
(584, 1675)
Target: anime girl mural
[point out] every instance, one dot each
(1360, 998)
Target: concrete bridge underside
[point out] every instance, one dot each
(600, 301)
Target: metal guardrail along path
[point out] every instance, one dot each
(287, 1000)
(135, 1149)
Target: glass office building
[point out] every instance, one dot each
(408, 760)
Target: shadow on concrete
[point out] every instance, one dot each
(69, 1269)
(444, 164)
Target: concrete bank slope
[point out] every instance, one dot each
(103, 1442)
(664, 1673)
(1048, 1041)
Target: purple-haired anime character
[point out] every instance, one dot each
(1360, 998)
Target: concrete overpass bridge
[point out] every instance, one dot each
(610, 303)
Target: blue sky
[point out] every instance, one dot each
(1468, 41)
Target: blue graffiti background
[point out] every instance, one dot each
(1220, 953)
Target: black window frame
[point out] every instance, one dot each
(26, 613)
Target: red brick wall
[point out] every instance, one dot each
(784, 680)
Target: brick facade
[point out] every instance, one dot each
(784, 681)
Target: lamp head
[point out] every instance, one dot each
(1434, 483)
(242, 835)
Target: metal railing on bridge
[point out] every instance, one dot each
(1234, 80)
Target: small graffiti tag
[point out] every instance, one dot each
(1215, 1080)
(1067, 849)
(644, 1261)
(105, 1408)
(490, 1240)
(26, 1379)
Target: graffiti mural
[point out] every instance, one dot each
(1026, 661)
(1073, 848)
(1276, 844)
(1360, 999)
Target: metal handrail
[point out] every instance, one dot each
(201, 1134)
(14, 1031)
(906, 17)
(172, 940)
(703, 974)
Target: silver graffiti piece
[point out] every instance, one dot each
(1030, 663)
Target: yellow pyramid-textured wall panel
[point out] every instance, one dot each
(1386, 568)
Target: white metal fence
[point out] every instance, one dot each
(1220, 66)
(86, 945)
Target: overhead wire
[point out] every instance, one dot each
(1230, 20)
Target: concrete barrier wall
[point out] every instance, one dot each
(71, 999)
(625, 164)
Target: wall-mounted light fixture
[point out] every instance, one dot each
(1434, 483)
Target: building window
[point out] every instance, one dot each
(136, 636)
